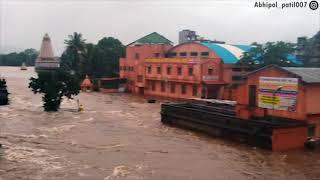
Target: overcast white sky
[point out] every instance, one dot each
(23, 23)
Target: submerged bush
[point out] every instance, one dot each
(55, 85)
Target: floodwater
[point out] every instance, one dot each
(120, 136)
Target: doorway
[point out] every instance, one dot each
(141, 91)
(213, 91)
(252, 96)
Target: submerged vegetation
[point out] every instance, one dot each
(78, 60)
(3, 92)
(55, 85)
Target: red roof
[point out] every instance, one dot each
(86, 82)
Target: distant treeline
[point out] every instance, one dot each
(16, 59)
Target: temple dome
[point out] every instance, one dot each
(46, 59)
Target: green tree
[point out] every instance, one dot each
(87, 65)
(54, 85)
(73, 55)
(311, 53)
(105, 60)
(30, 56)
(268, 53)
(16, 59)
(62, 82)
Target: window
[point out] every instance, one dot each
(194, 54)
(139, 78)
(124, 68)
(120, 68)
(163, 86)
(149, 69)
(236, 69)
(169, 70)
(153, 85)
(136, 56)
(183, 89)
(172, 54)
(159, 70)
(210, 71)
(173, 88)
(183, 54)
(179, 70)
(204, 53)
(311, 130)
(194, 90)
(236, 78)
(157, 54)
(190, 71)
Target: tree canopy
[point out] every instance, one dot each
(269, 53)
(310, 51)
(73, 55)
(54, 85)
(27, 56)
(79, 59)
(103, 58)
(100, 60)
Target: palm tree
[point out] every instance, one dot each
(73, 55)
(75, 42)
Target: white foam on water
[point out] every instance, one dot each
(58, 129)
(34, 157)
(4, 113)
(122, 171)
(119, 171)
(89, 119)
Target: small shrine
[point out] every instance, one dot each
(87, 85)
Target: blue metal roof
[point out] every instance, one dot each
(292, 58)
(231, 54)
(222, 52)
(245, 48)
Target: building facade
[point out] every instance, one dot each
(289, 93)
(153, 66)
(193, 69)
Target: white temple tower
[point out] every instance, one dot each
(46, 60)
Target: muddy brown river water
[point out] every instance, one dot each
(120, 136)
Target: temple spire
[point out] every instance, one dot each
(46, 59)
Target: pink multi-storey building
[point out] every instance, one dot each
(153, 66)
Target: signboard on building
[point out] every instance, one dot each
(172, 60)
(210, 78)
(278, 93)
